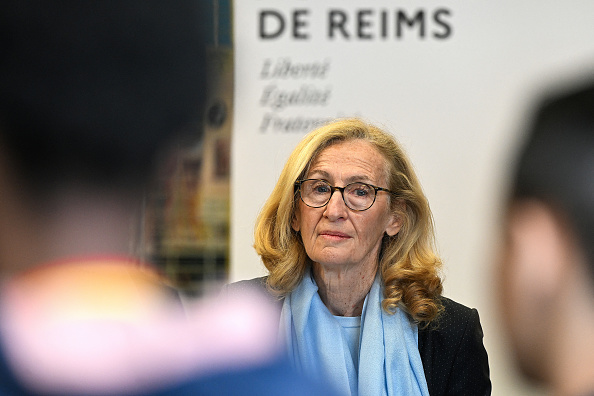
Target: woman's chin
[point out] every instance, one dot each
(335, 262)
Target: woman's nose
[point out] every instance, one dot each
(336, 208)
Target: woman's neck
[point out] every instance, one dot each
(343, 291)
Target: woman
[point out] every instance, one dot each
(347, 238)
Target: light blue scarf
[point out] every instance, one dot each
(389, 359)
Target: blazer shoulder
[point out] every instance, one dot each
(454, 357)
(454, 315)
(450, 327)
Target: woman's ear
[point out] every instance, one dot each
(394, 225)
(395, 220)
(296, 221)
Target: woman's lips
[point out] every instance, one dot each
(334, 235)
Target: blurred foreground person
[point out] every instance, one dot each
(547, 269)
(90, 93)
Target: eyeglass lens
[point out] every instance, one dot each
(357, 196)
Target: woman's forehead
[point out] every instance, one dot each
(352, 160)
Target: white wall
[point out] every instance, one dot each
(456, 103)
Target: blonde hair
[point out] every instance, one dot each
(408, 263)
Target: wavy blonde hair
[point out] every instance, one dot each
(408, 263)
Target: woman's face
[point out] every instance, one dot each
(334, 235)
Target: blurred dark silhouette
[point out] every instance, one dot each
(92, 94)
(547, 266)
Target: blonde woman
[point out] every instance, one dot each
(347, 238)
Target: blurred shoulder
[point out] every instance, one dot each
(277, 376)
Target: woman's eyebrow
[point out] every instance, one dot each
(320, 173)
(351, 179)
(358, 178)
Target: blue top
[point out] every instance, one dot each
(351, 330)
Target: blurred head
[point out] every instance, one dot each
(91, 91)
(406, 247)
(549, 243)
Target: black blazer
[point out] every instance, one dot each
(451, 348)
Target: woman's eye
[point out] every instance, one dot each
(321, 189)
(359, 191)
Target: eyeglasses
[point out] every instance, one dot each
(357, 196)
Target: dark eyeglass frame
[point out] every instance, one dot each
(333, 189)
